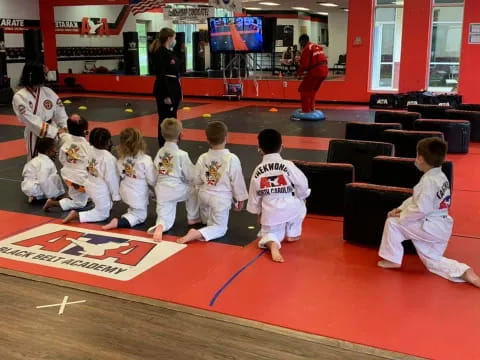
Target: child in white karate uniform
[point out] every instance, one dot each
(103, 180)
(40, 175)
(278, 190)
(137, 173)
(175, 176)
(73, 155)
(423, 218)
(219, 174)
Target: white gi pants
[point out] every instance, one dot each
(277, 233)
(430, 248)
(76, 199)
(101, 211)
(214, 211)
(167, 209)
(32, 188)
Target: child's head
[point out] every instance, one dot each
(269, 141)
(216, 133)
(171, 129)
(131, 143)
(33, 75)
(431, 153)
(101, 138)
(47, 147)
(77, 125)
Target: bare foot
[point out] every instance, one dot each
(158, 234)
(72, 215)
(113, 224)
(192, 234)
(49, 204)
(275, 251)
(193, 222)
(388, 264)
(292, 239)
(471, 277)
(30, 199)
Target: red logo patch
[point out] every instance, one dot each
(47, 104)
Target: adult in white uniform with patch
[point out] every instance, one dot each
(219, 174)
(40, 175)
(175, 181)
(137, 173)
(277, 194)
(38, 108)
(423, 218)
(102, 184)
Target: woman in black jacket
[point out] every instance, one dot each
(167, 89)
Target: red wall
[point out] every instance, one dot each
(470, 56)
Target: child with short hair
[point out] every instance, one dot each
(137, 173)
(219, 174)
(175, 176)
(73, 155)
(103, 180)
(423, 218)
(278, 190)
(40, 175)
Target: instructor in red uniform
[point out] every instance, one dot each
(314, 64)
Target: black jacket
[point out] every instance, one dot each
(165, 63)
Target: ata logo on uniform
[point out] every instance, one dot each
(110, 255)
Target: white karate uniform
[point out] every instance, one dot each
(424, 219)
(175, 177)
(102, 185)
(136, 174)
(42, 112)
(73, 155)
(219, 175)
(278, 190)
(41, 179)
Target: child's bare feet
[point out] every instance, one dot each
(30, 199)
(72, 215)
(49, 204)
(292, 239)
(275, 252)
(195, 221)
(158, 234)
(471, 277)
(113, 224)
(388, 264)
(192, 234)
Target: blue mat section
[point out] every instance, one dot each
(316, 115)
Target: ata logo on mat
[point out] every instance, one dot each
(115, 256)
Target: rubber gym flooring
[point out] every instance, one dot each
(326, 287)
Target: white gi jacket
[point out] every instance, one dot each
(136, 174)
(219, 172)
(41, 179)
(278, 190)
(73, 155)
(175, 172)
(41, 111)
(430, 203)
(103, 178)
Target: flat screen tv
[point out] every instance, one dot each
(236, 34)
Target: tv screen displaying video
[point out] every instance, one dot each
(236, 34)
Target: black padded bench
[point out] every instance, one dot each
(429, 111)
(368, 131)
(455, 132)
(403, 117)
(472, 116)
(405, 141)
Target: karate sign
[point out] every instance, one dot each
(110, 255)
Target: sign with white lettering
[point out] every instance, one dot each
(188, 15)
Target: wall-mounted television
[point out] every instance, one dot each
(236, 34)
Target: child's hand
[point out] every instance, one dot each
(239, 205)
(394, 213)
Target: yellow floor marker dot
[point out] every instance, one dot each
(186, 108)
(273, 110)
(251, 227)
(67, 102)
(207, 115)
(129, 110)
(82, 108)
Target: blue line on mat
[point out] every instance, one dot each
(217, 294)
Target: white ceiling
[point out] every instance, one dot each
(288, 4)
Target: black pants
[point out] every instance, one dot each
(166, 110)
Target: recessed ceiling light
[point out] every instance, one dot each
(269, 3)
(327, 4)
(252, 8)
(345, 10)
(300, 8)
(322, 13)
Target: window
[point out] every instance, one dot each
(142, 47)
(446, 41)
(387, 44)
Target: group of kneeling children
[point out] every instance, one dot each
(277, 192)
